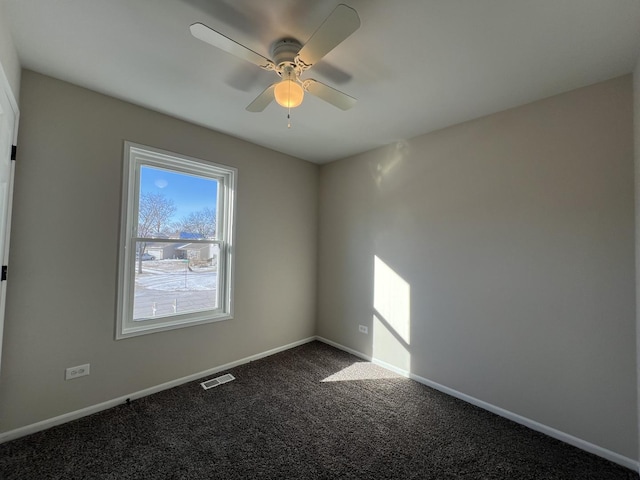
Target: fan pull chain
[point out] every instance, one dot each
(289, 106)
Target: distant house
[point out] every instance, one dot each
(200, 252)
(193, 251)
(190, 236)
(164, 251)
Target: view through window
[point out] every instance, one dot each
(176, 261)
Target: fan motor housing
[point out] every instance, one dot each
(283, 52)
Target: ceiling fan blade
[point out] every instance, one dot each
(262, 101)
(244, 77)
(328, 94)
(332, 73)
(341, 23)
(210, 36)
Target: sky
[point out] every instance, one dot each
(189, 193)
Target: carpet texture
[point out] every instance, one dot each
(312, 412)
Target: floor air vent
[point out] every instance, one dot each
(214, 382)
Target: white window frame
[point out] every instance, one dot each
(135, 157)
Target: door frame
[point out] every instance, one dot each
(4, 256)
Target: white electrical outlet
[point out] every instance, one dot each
(75, 372)
(363, 329)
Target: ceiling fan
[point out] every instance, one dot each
(290, 59)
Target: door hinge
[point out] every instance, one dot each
(3, 277)
(14, 151)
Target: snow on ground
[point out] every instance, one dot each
(175, 276)
(166, 287)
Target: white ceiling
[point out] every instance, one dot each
(414, 65)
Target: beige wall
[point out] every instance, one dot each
(62, 292)
(507, 244)
(8, 55)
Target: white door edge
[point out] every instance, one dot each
(5, 90)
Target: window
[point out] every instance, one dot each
(176, 246)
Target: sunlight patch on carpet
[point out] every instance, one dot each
(361, 371)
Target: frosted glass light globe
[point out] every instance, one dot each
(288, 93)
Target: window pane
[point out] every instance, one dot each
(172, 278)
(176, 205)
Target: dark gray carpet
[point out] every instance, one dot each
(280, 420)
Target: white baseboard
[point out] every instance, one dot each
(344, 349)
(67, 417)
(532, 424)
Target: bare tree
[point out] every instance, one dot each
(202, 223)
(154, 218)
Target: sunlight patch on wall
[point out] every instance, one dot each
(392, 317)
(392, 299)
(395, 154)
(361, 371)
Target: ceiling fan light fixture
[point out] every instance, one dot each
(288, 93)
(290, 59)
